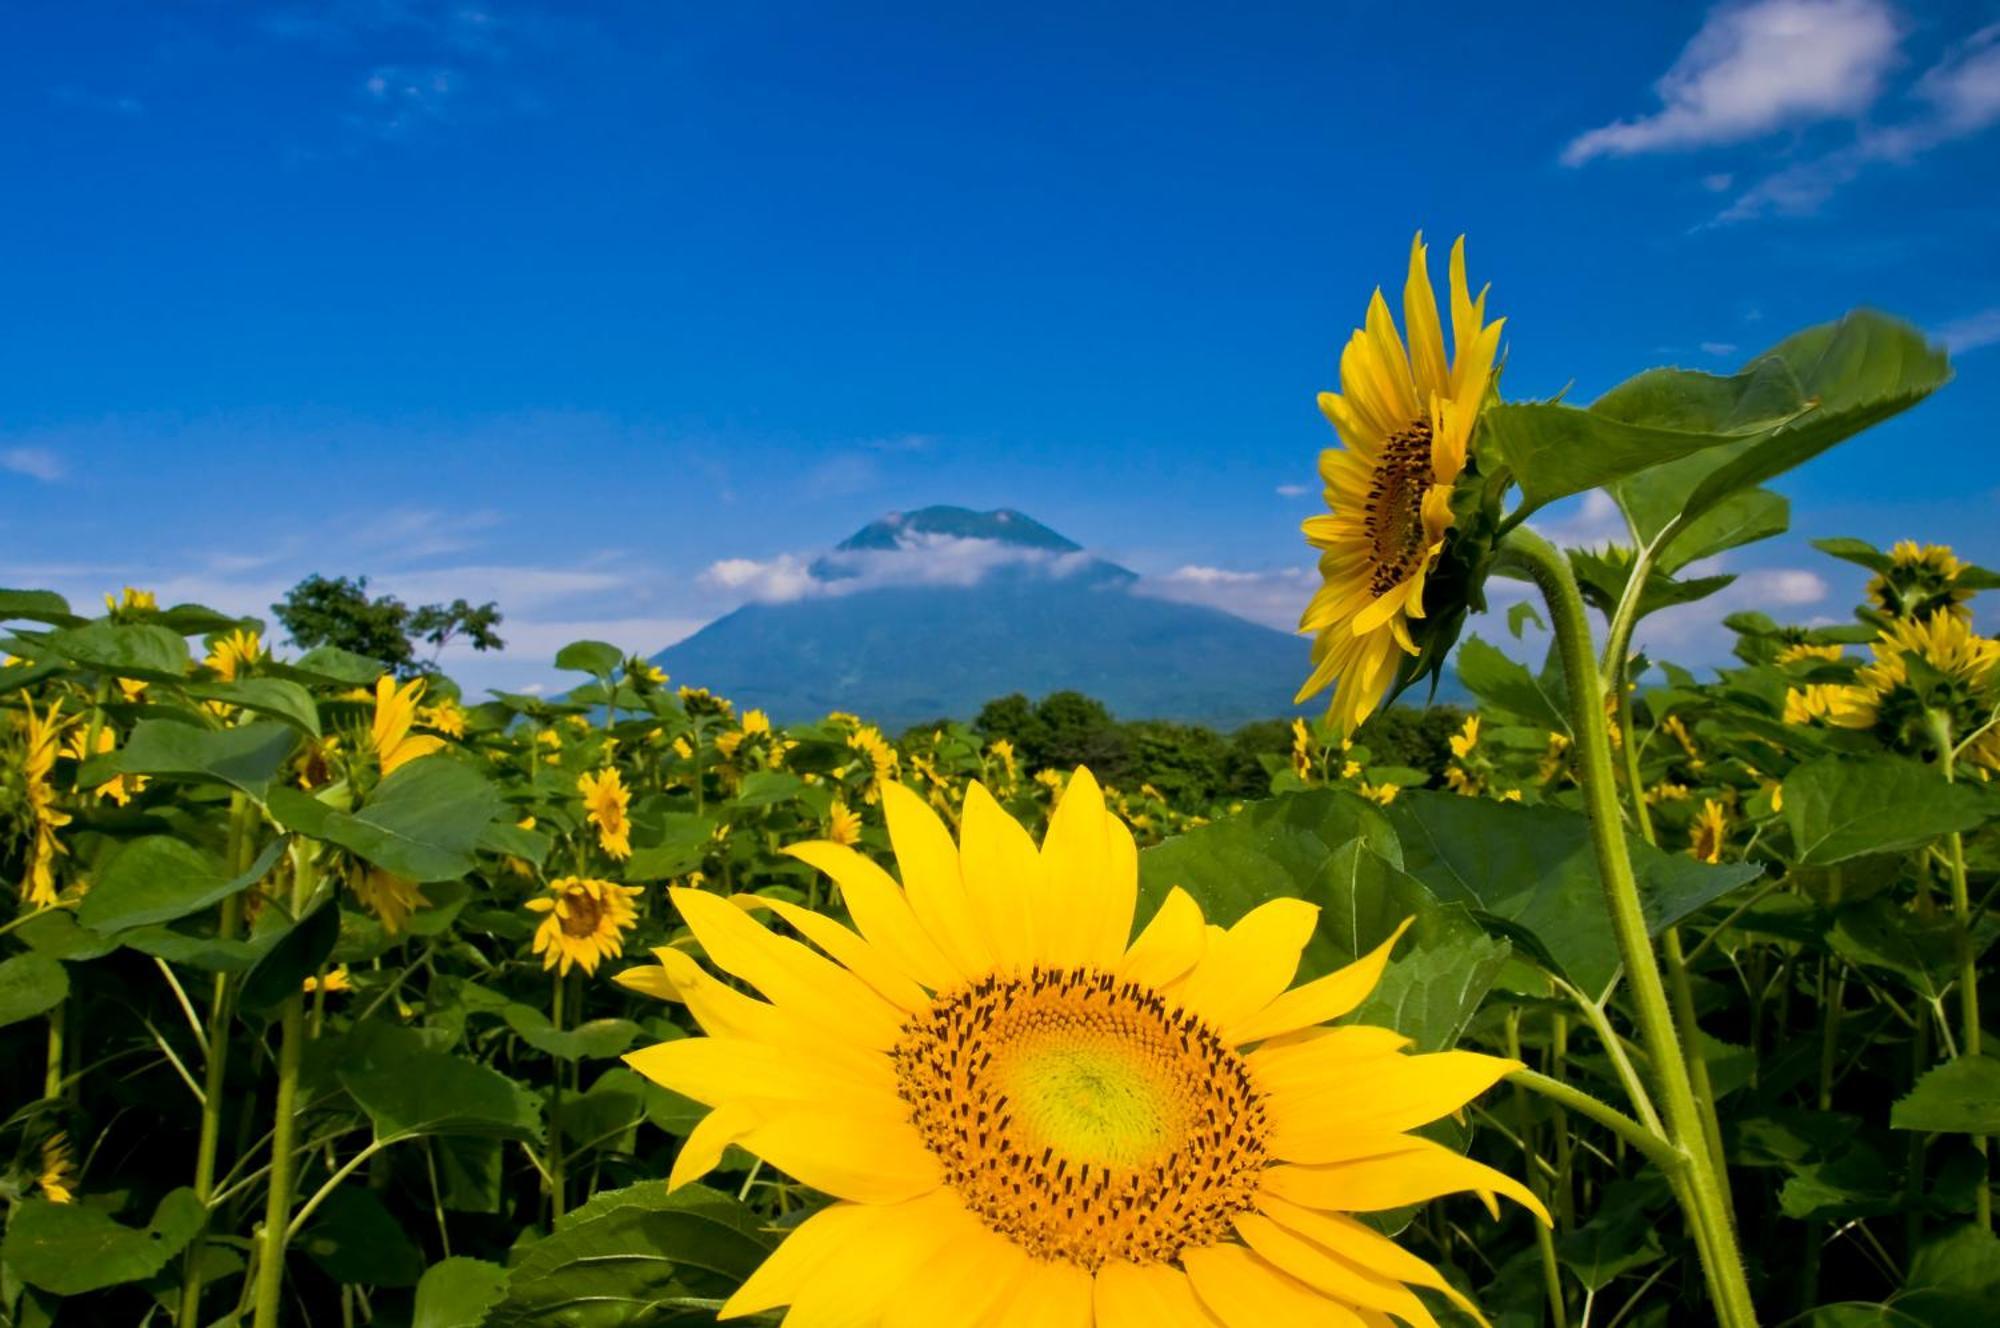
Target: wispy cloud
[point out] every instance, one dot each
(1293, 490)
(922, 558)
(1272, 596)
(1970, 332)
(35, 462)
(1757, 67)
(1954, 99)
(397, 100)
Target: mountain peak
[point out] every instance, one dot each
(1004, 525)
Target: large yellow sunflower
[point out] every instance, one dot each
(1026, 1117)
(1405, 418)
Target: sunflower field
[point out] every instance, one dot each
(335, 997)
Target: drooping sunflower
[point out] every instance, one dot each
(1026, 1117)
(1405, 419)
(395, 711)
(584, 922)
(605, 799)
(390, 898)
(1922, 579)
(1709, 832)
(58, 1178)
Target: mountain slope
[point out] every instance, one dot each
(1022, 609)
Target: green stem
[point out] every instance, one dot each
(1655, 1149)
(1545, 1241)
(272, 1239)
(555, 1151)
(1968, 967)
(1706, 1203)
(236, 855)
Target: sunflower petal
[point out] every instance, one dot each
(850, 951)
(1245, 1291)
(1248, 965)
(881, 912)
(1320, 1000)
(1328, 1273)
(1153, 1295)
(1172, 943)
(931, 879)
(1004, 878)
(1364, 1247)
(1371, 1184)
(869, 1158)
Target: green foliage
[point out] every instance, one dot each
(339, 613)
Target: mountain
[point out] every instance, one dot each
(929, 614)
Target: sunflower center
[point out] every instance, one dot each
(1082, 1117)
(1395, 516)
(581, 913)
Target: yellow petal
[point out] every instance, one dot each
(1172, 943)
(1076, 857)
(845, 1291)
(1003, 879)
(1320, 1000)
(1369, 1185)
(1420, 317)
(1251, 963)
(1364, 1247)
(1150, 1295)
(792, 976)
(708, 1140)
(881, 912)
(713, 1071)
(851, 952)
(1049, 1294)
(868, 1158)
(1244, 1291)
(928, 861)
(962, 1283)
(1395, 1093)
(1327, 1273)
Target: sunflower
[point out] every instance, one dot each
(1885, 696)
(1802, 650)
(390, 898)
(40, 734)
(584, 923)
(447, 717)
(1466, 738)
(395, 711)
(1710, 829)
(604, 802)
(1405, 419)
(335, 981)
(118, 788)
(58, 1179)
(843, 825)
(1023, 1118)
(234, 655)
(1921, 579)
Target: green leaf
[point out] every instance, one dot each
(1532, 873)
(1742, 518)
(531, 846)
(283, 968)
(1857, 551)
(355, 1241)
(246, 758)
(129, 650)
(1877, 933)
(596, 1039)
(1499, 681)
(1440, 972)
(1958, 1097)
(31, 984)
(682, 848)
(422, 823)
(73, 1248)
(627, 1255)
(406, 1088)
(457, 1293)
(160, 878)
(762, 788)
(1618, 1238)
(599, 658)
(1272, 849)
(330, 666)
(43, 606)
(1843, 807)
(53, 932)
(277, 697)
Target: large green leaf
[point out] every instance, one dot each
(331, 666)
(129, 650)
(73, 1248)
(279, 698)
(422, 823)
(1958, 1097)
(43, 606)
(354, 1239)
(1273, 849)
(599, 658)
(631, 1257)
(683, 845)
(1843, 807)
(1742, 518)
(407, 1088)
(1532, 873)
(1440, 972)
(457, 1293)
(1499, 681)
(31, 984)
(160, 878)
(246, 758)
(284, 965)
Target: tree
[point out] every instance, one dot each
(339, 611)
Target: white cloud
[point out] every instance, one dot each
(923, 558)
(35, 462)
(1970, 332)
(1293, 490)
(1718, 347)
(1957, 98)
(771, 581)
(1756, 67)
(1717, 182)
(1273, 597)
(537, 640)
(1582, 523)
(397, 100)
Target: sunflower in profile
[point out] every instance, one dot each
(389, 732)
(583, 923)
(1026, 1117)
(1405, 419)
(605, 799)
(1921, 579)
(1709, 832)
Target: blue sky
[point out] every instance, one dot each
(565, 305)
